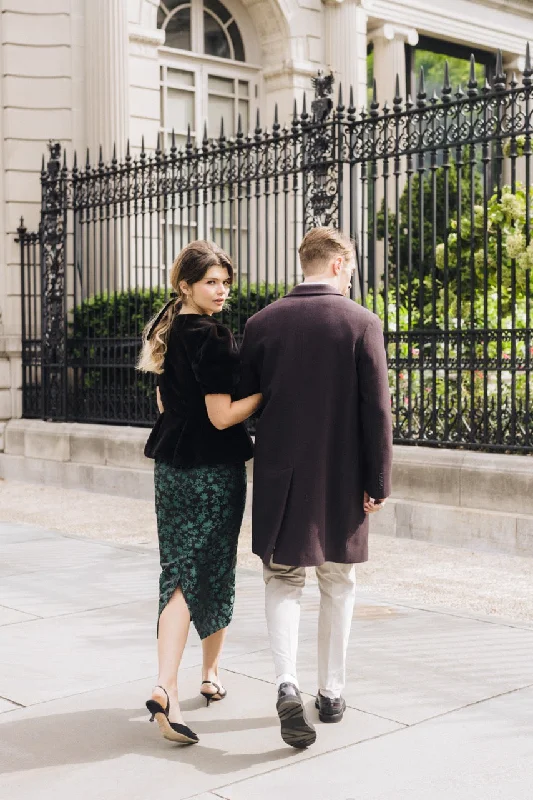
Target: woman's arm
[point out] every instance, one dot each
(223, 412)
(159, 401)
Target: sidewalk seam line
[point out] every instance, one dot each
(457, 614)
(363, 741)
(13, 702)
(18, 611)
(311, 696)
(67, 614)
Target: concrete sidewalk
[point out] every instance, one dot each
(440, 702)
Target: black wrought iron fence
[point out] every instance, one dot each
(436, 193)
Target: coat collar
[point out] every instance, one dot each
(312, 289)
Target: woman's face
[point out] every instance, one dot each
(208, 295)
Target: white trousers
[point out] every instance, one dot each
(283, 592)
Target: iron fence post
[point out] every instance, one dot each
(53, 264)
(323, 173)
(21, 240)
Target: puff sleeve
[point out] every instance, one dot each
(216, 363)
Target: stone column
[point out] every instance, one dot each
(107, 82)
(346, 46)
(389, 60)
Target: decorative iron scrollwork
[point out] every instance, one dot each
(53, 256)
(322, 105)
(321, 170)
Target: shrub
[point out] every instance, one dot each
(124, 314)
(504, 260)
(414, 231)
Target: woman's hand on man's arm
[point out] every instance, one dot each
(223, 412)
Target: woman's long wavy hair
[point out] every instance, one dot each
(190, 266)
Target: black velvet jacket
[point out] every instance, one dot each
(201, 358)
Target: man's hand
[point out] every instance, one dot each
(159, 401)
(371, 505)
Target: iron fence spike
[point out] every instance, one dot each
(351, 107)
(500, 79)
(421, 94)
(447, 84)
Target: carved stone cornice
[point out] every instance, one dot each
(470, 26)
(146, 36)
(390, 32)
(360, 3)
(522, 7)
(514, 64)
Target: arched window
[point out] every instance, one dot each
(214, 26)
(204, 74)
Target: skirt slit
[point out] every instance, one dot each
(199, 516)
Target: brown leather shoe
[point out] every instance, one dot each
(330, 710)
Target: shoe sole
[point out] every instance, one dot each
(168, 733)
(328, 717)
(296, 731)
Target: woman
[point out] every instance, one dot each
(199, 445)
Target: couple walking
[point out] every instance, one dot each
(315, 362)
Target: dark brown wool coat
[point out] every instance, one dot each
(325, 433)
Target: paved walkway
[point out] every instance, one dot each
(440, 702)
(420, 573)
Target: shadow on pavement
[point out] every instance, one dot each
(107, 734)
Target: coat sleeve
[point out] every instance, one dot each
(250, 379)
(375, 412)
(216, 363)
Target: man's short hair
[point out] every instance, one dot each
(321, 245)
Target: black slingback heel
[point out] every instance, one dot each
(172, 731)
(218, 695)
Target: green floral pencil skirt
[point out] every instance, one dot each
(199, 515)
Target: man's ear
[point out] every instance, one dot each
(337, 265)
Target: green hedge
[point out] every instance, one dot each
(124, 314)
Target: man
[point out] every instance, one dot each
(322, 462)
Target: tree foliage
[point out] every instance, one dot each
(428, 206)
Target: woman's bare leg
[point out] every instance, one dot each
(173, 630)
(212, 648)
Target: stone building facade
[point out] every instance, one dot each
(93, 73)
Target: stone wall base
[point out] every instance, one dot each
(138, 483)
(472, 529)
(478, 501)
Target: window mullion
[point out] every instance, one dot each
(197, 26)
(201, 101)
